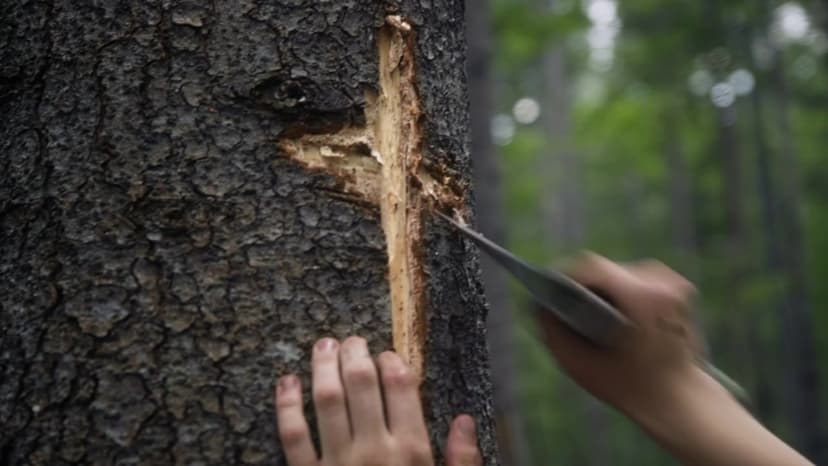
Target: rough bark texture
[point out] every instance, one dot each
(162, 261)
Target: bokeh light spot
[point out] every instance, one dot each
(791, 23)
(526, 110)
(503, 129)
(722, 95)
(602, 12)
(700, 82)
(741, 81)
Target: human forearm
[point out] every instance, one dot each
(701, 424)
(654, 378)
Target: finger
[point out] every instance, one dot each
(329, 399)
(293, 428)
(402, 398)
(667, 292)
(461, 447)
(362, 388)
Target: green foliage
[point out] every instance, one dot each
(520, 167)
(622, 136)
(524, 32)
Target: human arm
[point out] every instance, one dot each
(654, 377)
(701, 424)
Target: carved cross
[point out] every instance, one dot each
(381, 163)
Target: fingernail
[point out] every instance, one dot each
(466, 426)
(355, 347)
(287, 382)
(326, 344)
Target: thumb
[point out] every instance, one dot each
(461, 448)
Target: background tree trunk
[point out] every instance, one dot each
(680, 194)
(164, 256)
(763, 392)
(564, 214)
(512, 442)
(562, 203)
(802, 384)
(735, 244)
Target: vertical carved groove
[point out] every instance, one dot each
(397, 135)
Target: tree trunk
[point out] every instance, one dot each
(800, 356)
(563, 213)
(490, 220)
(562, 202)
(735, 255)
(680, 194)
(683, 234)
(763, 387)
(733, 192)
(781, 208)
(191, 195)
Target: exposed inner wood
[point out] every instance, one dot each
(382, 163)
(397, 137)
(344, 156)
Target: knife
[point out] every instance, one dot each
(579, 308)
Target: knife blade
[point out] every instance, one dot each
(579, 308)
(576, 306)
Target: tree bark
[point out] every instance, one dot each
(786, 249)
(563, 213)
(680, 193)
(562, 203)
(801, 359)
(763, 387)
(512, 442)
(764, 392)
(193, 193)
(736, 238)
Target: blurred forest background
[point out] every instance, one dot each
(692, 131)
